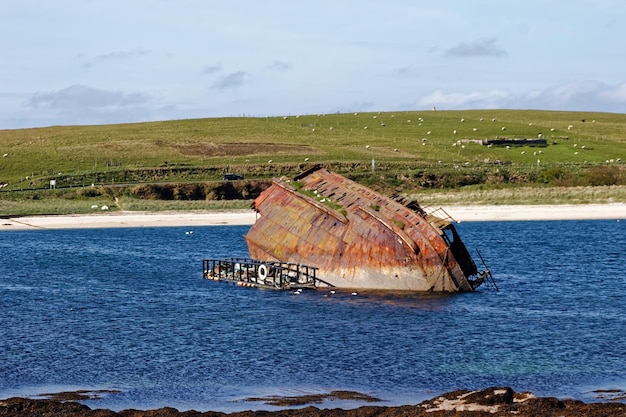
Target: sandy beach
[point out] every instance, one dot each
(247, 217)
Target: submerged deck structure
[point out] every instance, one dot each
(358, 238)
(246, 272)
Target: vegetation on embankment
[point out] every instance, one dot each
(431, 155)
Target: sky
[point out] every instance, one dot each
(86, 62)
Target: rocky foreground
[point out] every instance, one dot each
(492, 402)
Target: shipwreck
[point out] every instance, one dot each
(352, 237)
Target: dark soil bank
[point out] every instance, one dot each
(492, 402)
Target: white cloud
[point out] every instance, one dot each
(211, 69)
(230, 81)
(585, 95)
(117, 55)
(578, 96)
(486, 47)
(80, 96)
(476, 99)
(280, 66)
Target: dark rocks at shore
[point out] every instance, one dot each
(492, 402)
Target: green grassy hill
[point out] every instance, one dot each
(413, 150)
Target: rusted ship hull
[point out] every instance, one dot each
(358, 238)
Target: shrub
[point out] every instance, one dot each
(605, 175)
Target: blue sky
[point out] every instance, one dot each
(75, 62)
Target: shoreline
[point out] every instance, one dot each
(496, 401)
(247, 217)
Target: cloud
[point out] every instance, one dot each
(280, 66)
(614, 95)
(230, 81)
(578, 96)
(476, 99)
(486, 47)
(80, 96)
(402, 71)
(584, 95)
(118, 55)
(211, 69)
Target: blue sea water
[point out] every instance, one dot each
(128, 309)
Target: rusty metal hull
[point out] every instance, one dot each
(356, 237)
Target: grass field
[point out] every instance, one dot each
(406, 147)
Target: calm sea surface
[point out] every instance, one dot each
(128, 309)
